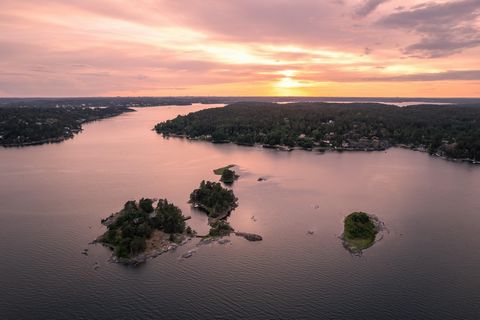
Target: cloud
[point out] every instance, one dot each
(454, 75)
(444, 28)
(92, 47)
(368, 6)
(310, 22)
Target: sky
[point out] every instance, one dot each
(354, 48)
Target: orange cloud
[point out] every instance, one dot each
(248, 47)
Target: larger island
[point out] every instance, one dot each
(144, 229)
(450, 131)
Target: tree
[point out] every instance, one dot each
(137, 245)
(228, 176)
(146, 205)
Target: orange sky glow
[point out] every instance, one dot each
(361, 48)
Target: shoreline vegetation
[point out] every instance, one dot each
(28, 126)
(360, 231)
(451, 132)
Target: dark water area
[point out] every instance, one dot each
(52, 198)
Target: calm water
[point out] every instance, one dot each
(52, 198)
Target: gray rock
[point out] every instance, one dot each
(249, 236)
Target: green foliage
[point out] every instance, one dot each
(219, 171)
(35, 125)
(122, 251)
(448, 130)
(220, 228)
(213, 198)
(170, 217)
(137, 245)
(136, 222)
(146, 205)
(358, 225)
(228, 176)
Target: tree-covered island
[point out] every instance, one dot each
(214, 199)
(147, 228)
(450, 131)
(144, 229)
(218, 202)
(359, 231)
(227, 175)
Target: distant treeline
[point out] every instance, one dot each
(447, 130)
(94, 102)
(32, 125)
(188, 100)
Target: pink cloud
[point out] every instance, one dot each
(166, 47)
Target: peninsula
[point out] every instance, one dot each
(449, 131)
(25, 126)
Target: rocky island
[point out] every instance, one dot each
(218, 202)
(144, 229)
(148, 228)
(360, 231)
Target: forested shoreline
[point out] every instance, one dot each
(24, 126)
(451, 131)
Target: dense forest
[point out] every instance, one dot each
(358, 225)
(128, 230)
(451, 131)
(32, 125)
(214, 199)
(359, 231)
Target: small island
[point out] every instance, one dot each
(213, 199)
(219, 171)
(360, 231)
(142, 230)
(218, 202)
(227, 175)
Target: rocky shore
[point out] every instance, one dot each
(351, 147)
(158, 245)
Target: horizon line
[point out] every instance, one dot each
(238, 96)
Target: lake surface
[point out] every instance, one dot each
(52, 198)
